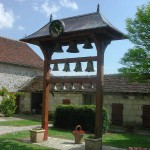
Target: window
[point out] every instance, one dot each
(66, 101)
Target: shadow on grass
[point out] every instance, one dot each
(126, 140)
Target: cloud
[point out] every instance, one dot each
(47, 8)
(7, 18)
(69, 4)
(21, 27)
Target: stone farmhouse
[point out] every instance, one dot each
(18, 64)
(21, 69)
(128, 103)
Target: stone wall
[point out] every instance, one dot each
(25, 103)
(132, 104)
(14, 76)
(58, 98)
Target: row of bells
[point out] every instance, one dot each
(72, 87)
(72, 47)
(78, 67)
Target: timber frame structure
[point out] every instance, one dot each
(77, 29)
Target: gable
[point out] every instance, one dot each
(16, 52)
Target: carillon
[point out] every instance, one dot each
(73, 47)
(78, 67)
(55, 68)
(66, 67)
(88, 44)
(90, 67)
(58, 48)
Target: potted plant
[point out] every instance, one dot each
(36, 135)
(78, 134)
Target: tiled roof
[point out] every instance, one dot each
(112, 84)
(84, 22)
(16, 52)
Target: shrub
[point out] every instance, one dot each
(8, 104)
(68, 116)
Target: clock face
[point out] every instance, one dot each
(56, 28)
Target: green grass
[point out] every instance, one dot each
(123, 140)
(126, 140)
(20, 123)
(64, 134)
(11, 142)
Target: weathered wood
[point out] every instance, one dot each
(72, 60)
(100, 46)
(72, 80)
(46, 89)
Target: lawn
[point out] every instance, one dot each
(20, 123)
(11, 142)
(120, 140)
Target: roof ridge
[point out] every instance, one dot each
(80, 15)
(7, 38)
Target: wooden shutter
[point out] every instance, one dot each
(117, 114)
(146, 116)
(66, 101)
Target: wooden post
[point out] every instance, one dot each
(46, 89)
(100, 46)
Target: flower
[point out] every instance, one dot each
(78, 130)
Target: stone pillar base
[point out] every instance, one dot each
(93, 144)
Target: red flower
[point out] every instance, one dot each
(78, 130)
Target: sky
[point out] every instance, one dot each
(20, 18)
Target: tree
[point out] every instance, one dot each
(8, 103)
(136, 60)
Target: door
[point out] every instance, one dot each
(117, 114)
(36, 103)
(146, 116)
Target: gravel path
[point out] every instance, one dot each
(10, 129)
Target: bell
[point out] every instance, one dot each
(64, 87)
(87, 44)
(73, 88)
(90, 67)
(66, 67)
(78, 67)
(55, 87)
(55, 68)
(82, 87)
(73, 48)
(58, 48)
(92, 86)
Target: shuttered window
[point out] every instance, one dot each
(117, 114)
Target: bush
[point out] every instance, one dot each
(8, 103)
(68, 116)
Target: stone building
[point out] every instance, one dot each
(128, 103)
(18, 64)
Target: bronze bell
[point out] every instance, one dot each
(73, 47)
(55, 68)
(66, 67)
(55, 87)
(58, 48)
(78, 67)
(90, 67)
(87, 44)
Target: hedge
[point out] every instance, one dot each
(69, 116)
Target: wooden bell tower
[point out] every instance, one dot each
(75, 30)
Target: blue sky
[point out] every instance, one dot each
(23, 17)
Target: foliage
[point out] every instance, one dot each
(83, 115)
(137, 59)
(8, 104)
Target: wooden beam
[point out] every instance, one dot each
(46, 89)
(72, 80)
(73, 60)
